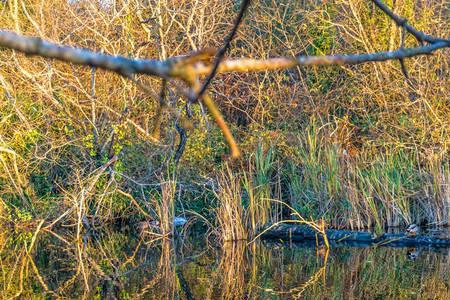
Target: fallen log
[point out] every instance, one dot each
(299, 233)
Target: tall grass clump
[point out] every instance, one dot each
(164, 206)
(435, 198)
(259, 186)
(230, 212)
(316, 178)
(387, 189)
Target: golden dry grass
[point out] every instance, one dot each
(339, 134)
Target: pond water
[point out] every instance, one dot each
(118, 265)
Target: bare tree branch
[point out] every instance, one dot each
(402, 22)
(118, 64)
(277, 63)
(178, 67)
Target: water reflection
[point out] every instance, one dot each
(117, 265)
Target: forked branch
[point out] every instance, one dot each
(177, 68)
(402, 22)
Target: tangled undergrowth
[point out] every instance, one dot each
(357, 146)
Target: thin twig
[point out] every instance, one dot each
(209, 103)
(221, 53)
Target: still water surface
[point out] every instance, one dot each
(117, 265)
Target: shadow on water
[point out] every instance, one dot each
(118, 265)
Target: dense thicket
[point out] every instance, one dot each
(357, 145)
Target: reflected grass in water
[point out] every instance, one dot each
(122, 266)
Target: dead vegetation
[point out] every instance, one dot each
(355, 145)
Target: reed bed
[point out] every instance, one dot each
(389, 190)
(231, 215)
(165, 207)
